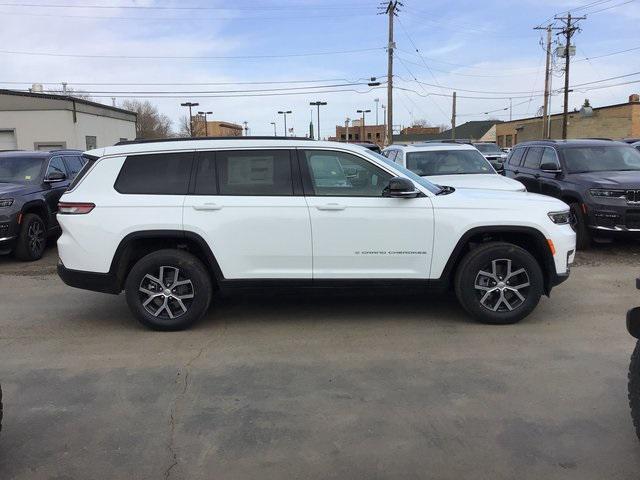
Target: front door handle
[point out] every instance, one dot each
(331, 206)
(208, 206)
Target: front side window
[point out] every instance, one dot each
(205, 182)
(448, 162)
(549, 156)
(155, 174)
(56, 165)
(534, 155)
(74, 165)
(20, 169)
(343, 174)
(254, 172)
(601, 159)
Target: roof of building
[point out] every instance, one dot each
(81, 101)
(474, 129)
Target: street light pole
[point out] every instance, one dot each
(318, 104)
(275, 134)
(377, 101)
(284, 113)
(190, 104)
(346, 124)
(363, 129)
(206, 130)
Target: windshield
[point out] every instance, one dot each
(488, 148)
(19, 169)
(408, 173)
(600, 159)
(448, 162)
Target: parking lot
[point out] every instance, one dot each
(334, 385)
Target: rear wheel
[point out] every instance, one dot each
(499, 283)
(32, 238)
(579, 225)
(168, 290)
(634, 388)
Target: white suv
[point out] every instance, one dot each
(170, 222)
(458, 165)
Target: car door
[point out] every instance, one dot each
(512, 165)
(550, 183)
(54, 190)
(249, 207)
(357, 232)
(529, 171)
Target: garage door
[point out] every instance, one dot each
(8, 140)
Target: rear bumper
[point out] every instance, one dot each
(97, 282)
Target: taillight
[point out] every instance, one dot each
(71, 208)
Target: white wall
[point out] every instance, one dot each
(44, 126)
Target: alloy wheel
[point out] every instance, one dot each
(167, 294)
(35, 236)
(502, 286)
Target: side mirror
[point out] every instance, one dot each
(55, 177)
(400, 187)
(550, 167)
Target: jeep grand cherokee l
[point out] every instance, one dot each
(31, 183)
(598, 179)
(170, 222)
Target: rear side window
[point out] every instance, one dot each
(532, 160)
(157, 174)
(254, 172)
(516, 157)
(392, 154)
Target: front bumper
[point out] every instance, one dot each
(607, 217)
(97, 282)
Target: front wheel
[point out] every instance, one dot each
(634, 388)
(499, 283)
(32, 239)
(168, 290)
(579, 225)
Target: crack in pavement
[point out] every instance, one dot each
(180, 396)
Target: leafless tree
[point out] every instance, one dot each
(150, 122)
(184, 127)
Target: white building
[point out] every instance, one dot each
(39, 121)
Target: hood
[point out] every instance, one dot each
(11, 189)
(479, 181)
(471, 198)
(623, 180)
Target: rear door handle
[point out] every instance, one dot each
(208, 206)
(331, 206)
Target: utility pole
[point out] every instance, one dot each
(568, 31)
(318, 104)
(275, 134)
(190, 105)
(377, 101)
(284, 113)
(246, 128)
(547, 84)
(362, 139)
(510, 109)
(206, 127)
(453, 118)
(346, 125)
(391, 9)
(384, 120)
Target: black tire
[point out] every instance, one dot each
(165, 307)
(634, 388)
(32, 239)
(1, 410)
(478, 293)
(579, 225)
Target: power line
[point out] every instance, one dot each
(174, 7)
(186, 57)
(610, 7)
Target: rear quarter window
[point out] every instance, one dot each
(88, 163)
(155, 174)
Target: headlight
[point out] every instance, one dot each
(560, 218)
(603, 193)
(6, 202)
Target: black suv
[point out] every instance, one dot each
(31, 183)
(599, 179)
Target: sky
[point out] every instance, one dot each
(323, 50)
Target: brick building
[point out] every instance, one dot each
(215, 128)
(371, 133)
(611, 121)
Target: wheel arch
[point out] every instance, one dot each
(529, 238)
(136, 245)
(38, 207)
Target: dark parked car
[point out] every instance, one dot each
(599, 179)
(633, 326)
(31, 183)
(492, 152)
(371, 146)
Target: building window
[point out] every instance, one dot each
(378, 135)
(357, 136)
(91, 141)
(369, 135)
(350, 136)
(501, 140)
(509, 140)
(122, 139)
(342, 136)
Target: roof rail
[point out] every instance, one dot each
(185, 139)
(65, 150)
